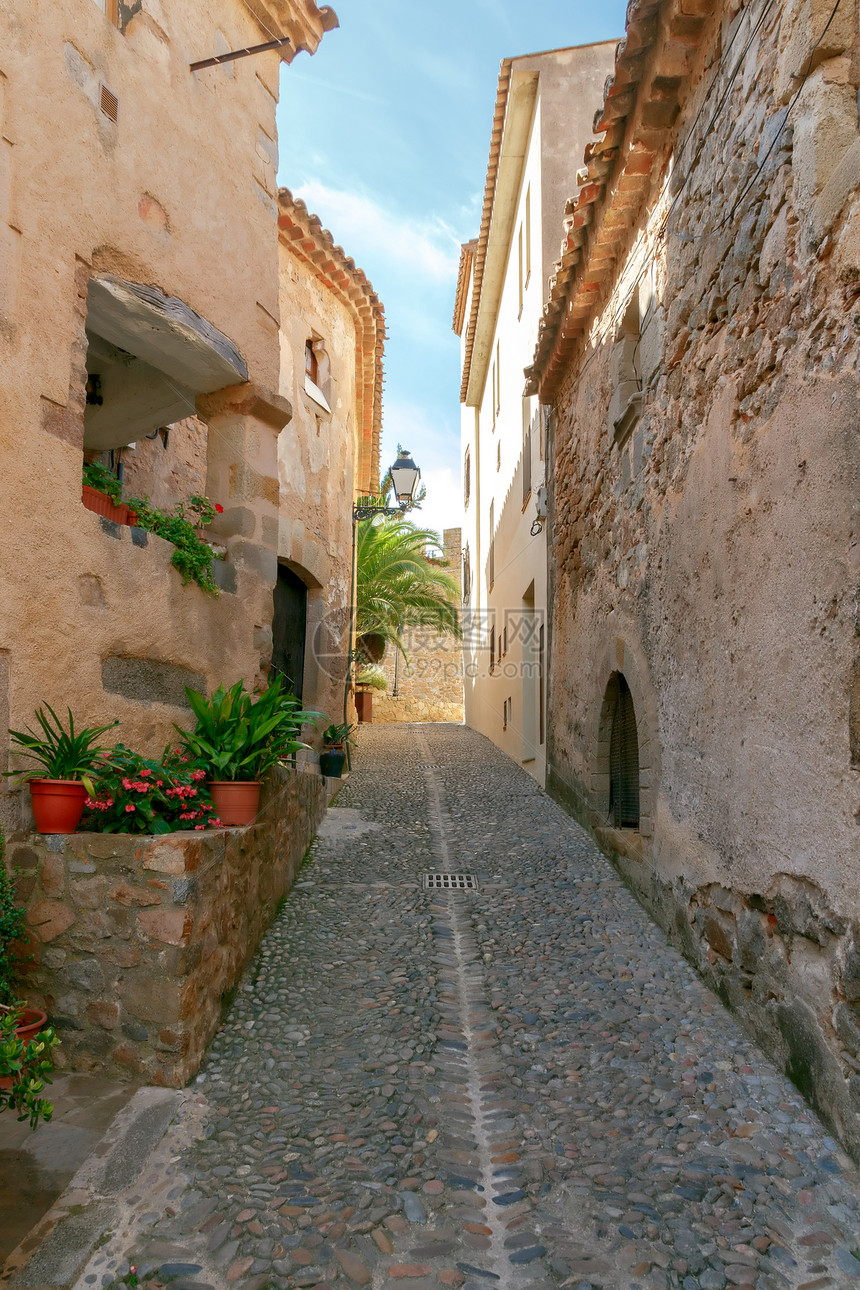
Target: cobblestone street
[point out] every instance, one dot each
(521, 1085)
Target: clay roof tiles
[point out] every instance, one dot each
(640, 105)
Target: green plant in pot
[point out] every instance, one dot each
(24, 1060)
(69, 759)
(238, 738)
(335, 739)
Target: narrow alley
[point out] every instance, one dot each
(518, 1085)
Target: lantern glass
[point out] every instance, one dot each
(404, 477)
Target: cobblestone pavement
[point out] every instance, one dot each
(520, 1086)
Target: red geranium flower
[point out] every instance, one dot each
(219, 509)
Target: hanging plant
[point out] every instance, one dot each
(193, 556)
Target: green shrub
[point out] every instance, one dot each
(11, 928)
(29, 1064)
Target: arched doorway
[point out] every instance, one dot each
(623, 757)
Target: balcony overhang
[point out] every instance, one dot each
(153, 355)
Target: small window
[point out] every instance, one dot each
(312, 367)
(110, 8)
(507, 712)
(624, 761)
(491, 553)
(492, 648)
(521, 263)
(467, 478)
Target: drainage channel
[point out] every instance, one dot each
(474, 1063)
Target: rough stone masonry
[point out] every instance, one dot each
(701, 355)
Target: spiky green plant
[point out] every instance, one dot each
(61, 751)
(398, 586)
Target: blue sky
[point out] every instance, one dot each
(385, 134)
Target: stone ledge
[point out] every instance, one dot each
(136, 941)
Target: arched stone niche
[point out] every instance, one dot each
(621, 659)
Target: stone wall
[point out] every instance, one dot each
(705, 544)
(430, 680)
(136, 943)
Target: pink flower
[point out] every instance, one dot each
(130, 807)
(198, 774)
(200, 826)
(159, 783)
(144, 773)
(126, 783)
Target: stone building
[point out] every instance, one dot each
(700, 353)
(539, 129)
(138, 298)
(332, 337)
(428, 684)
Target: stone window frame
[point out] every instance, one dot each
(317, 379)
(622, 657)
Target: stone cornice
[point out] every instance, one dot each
(640, 106)
(302, 20)
(480, 253)
(304, 236)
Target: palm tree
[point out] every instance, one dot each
(398, 586)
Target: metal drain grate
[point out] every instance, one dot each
(450, 882)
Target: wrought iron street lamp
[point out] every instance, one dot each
(405, 477)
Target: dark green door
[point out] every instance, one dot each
(289, 628)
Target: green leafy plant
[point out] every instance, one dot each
(398, 586)
(11, 928)
(102, 480)
(372, 676)
(337, 736)
(136, 794)
(29, 1064)
(240, 736)
(193, 556)
(61, 753)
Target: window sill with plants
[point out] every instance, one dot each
(194, 550)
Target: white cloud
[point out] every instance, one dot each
(366, 230)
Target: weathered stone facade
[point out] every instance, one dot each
(429, 684)
(136, 942)
(138, 293)
(329, 454)
(701, 353)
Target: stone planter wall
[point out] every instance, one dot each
(136, 942)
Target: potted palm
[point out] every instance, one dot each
(69, 759)
(238, 738)
(335, 739)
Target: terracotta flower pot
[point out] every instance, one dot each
(58, 804)
(31, 1021)
(102, 505)
(236, 800)
(364, 705)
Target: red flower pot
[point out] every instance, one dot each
(58, 804)
(364, 705)
(30, 1022)
(102, 505)
(236, 800)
